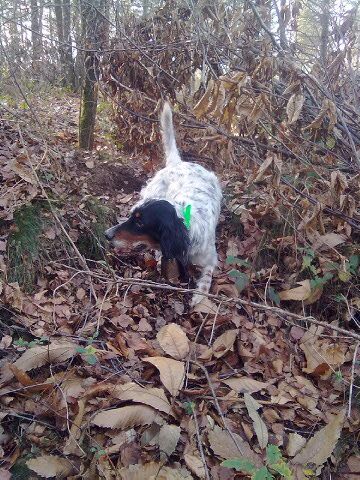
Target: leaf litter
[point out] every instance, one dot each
(114, 383)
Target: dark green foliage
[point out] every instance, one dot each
(24, 245)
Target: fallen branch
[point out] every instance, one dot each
(226, 300)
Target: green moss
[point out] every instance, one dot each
(27, 248)
(23, 245)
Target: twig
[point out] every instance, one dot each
(218, 406)
(352, 379)
(201, 450)
(264, 27)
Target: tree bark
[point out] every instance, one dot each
(95, 33)
(35, 35)
(324, 37)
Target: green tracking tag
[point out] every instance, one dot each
(187, 216)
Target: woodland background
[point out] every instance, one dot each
(105, 372)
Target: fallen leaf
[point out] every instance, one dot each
(5, 342)
(319, 448)
(168, 439)
(173, 341)
(49, 466)
(154, 397)
(153, 471)
(195, 464)
(329, 240)
(206, 306)
(231, 446)
(126, 417)
(295, 443)
(245, 384)
(24, 172)
(90, 164)
(5, 474)
(259, 426)
(322, 355)
(224, 343)
(172, 373)
(55, 352)
(297, 293)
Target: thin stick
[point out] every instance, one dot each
(352, 379)
(218, 406)
(201, 450)
(225, 300)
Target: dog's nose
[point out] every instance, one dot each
(109, 233)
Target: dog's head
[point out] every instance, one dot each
(154, 224)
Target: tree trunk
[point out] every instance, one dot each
(324, 23)
(35, 35)
(95, 33)
(68, 52)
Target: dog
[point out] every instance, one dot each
(177, 213)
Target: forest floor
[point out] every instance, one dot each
(105, 370)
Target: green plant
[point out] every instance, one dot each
(241, 279)
(275, 466)
(89, 352)
(20, 342)
(24, 245)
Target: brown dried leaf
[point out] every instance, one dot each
(223, 445)
(202, 106)
(319, 448)
(294, 107)
(24, 172)
(206, 306)
(259, 426)
(295, 443)
(126, 417)
(154, 397)
(224, 343)
(55, 352)
(153, 471)
(297, 293)
(49, 466)
(173, 341)
(172, 372)
(195, 464)
(168, 439)
(321, 354)
(245, 384)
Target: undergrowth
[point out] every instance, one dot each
(25, 246)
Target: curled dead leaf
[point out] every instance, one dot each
(298, 293)
(126, 417)
(224, 343)
(154, 397)
(172, 372)
(55, 352)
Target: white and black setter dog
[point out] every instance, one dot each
(178, 213)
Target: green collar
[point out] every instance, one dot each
(187, 216)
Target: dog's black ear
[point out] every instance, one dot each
(174, 240)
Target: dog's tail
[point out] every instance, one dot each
(168, 136)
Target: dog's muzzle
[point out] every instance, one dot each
(110, 233)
